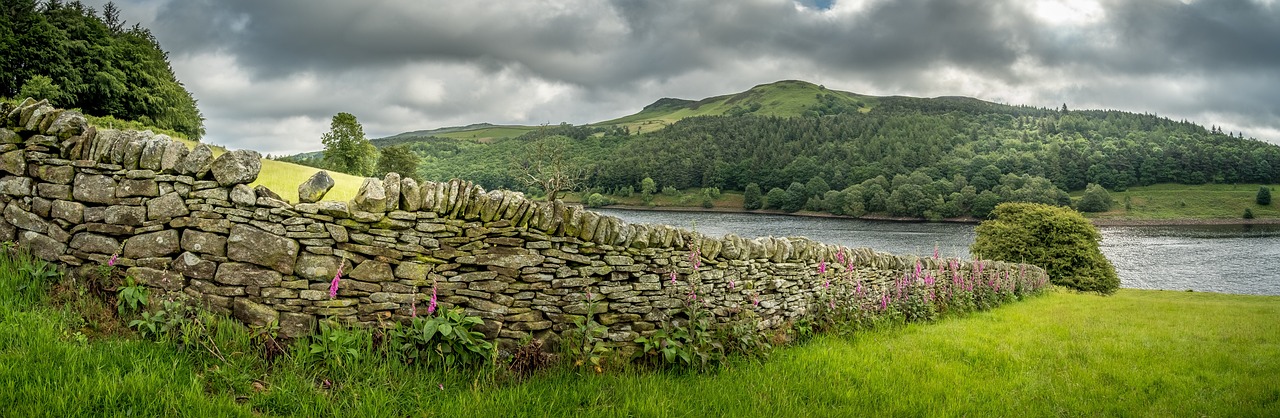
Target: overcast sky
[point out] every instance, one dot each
(269, 75)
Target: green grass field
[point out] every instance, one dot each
(281, 177)
(1139, 353)
(490, 133)
(1181, 201)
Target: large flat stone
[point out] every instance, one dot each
(153, 244)
(253, 245)
(242, 274)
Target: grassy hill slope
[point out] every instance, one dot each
(784, 98)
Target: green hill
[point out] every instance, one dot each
(811, 148)
(786, 98)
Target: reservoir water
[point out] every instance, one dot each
(1225, 259)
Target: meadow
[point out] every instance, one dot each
(1181, 201)
(1140, 353)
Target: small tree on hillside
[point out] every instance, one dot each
(1264, 196)
(1058, 239)
(647, 188)
(398, 159)
(346, 149)
(751, 198)
(1095, 199)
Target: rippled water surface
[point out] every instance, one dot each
(1228, 259)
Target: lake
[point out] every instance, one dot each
(1227, 259)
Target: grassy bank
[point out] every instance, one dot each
(1181, 201)
(1146, 353)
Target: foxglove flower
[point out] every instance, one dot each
(431, 308)
(333, 286)
(112, 261)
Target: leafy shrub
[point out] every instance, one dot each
(1248, 213)
(597, 200)
(1057, 239)
(1095, 199)
(670, 191)
(445, 338)
(1264, 196)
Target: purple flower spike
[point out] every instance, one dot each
(112, 261)
(822, 267)
(333, 286)
(431, 308)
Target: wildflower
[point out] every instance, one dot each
(755, 300)
(413, 308)
(431, 308)
(441, 385)
(935, 252)
(884, 302)
(112, 261)
(840, 256)
(673, 277)
(732, 284)
(333, 286)
(826, 284)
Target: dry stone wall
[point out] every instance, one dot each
(181, 220)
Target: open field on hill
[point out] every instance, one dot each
(1181, 201)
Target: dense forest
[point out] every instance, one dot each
(70, 55)
(925, 158)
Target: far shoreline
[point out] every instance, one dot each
(965, 220)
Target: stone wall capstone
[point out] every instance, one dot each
(183, 221)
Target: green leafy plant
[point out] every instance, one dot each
(586, 344)
(445, 338)
(131, 297)
(268, 337)
(338, 346)
(41, 272)
(743, 337)
(689, 343)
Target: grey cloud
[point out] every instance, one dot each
(424, 64)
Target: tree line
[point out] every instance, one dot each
(75, 57)
(909, 157)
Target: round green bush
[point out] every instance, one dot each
(1058, 239)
